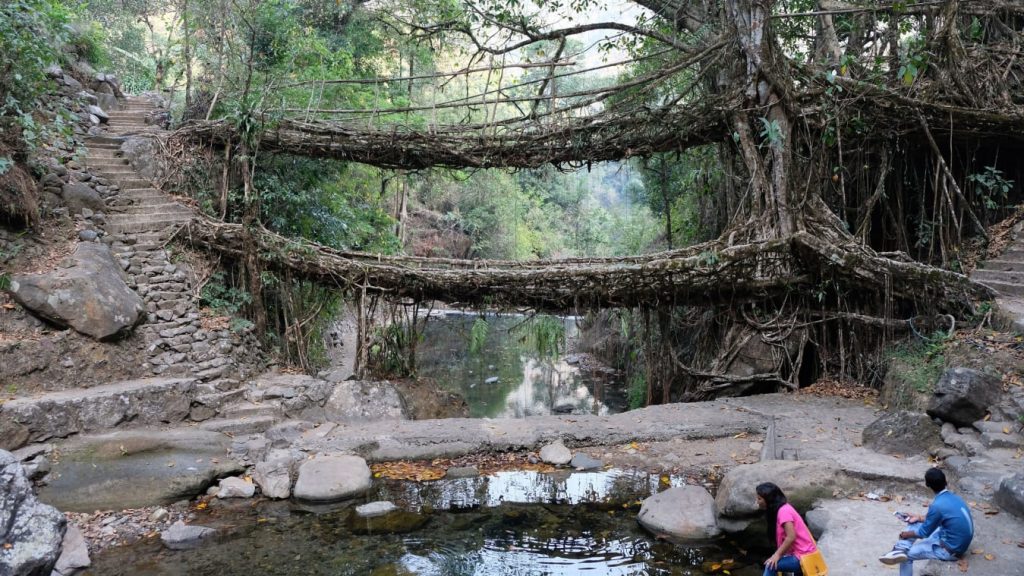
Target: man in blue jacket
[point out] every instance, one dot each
(945, 533)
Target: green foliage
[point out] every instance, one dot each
(544, 334)
(389, 350)
(222, 298)
(5, 164)
(771, 133)
(31, 35)
(88, 40)
(329, 202)
(913, 60)
(478, 335)
(991, 186)
(5, 281)
(636, 393)
(923, 361)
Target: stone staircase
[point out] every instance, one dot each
(142, 220)
(1005, 275)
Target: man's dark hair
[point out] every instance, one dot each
(935, 479)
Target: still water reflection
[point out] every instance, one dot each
(507, 379)
(510, 524)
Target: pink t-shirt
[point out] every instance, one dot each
(804, 543)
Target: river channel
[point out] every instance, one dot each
(508, 379)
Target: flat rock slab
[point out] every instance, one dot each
(61, 414)
(136, 468)
(426, 439)
(857, 532)
(181, 536)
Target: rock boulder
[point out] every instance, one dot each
(90, 294)
(1010, 495)
(31, 532)
(364, 401)
(332, 478)
(963, 395)
(682, 513)
(803, 482)
(78, 195)
(903, 433)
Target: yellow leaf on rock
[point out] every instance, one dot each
(990, 556)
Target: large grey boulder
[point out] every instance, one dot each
(363, 401)
(31, 532)
(803, 482)
(331, 478)
(682, 513)
(136, 468)
(963, 395)
(144, 155)
(78, 195)
(1010, 495)
(903, 433)
(90, 294)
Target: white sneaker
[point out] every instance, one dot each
(894, 557)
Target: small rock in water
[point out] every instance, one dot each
(556, 453)
(563, 409)
(373, 509)
(462, 472)
(491, 380)
(181, 536)
(583, 462)
(235, 487)
(87, 235)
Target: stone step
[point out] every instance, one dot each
(165, 210)
(1008, 277)
(103, 141)
(1015, 253)
(100, 408)
(148, 226)
(1004, 288)
(122, 172)
(252, 409)
(133, 183)
(147, 198)
(1004, 265)
(103, 153)
(239, 426)
(153, 203)
(179, 213)
(112, 163)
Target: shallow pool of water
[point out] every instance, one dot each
(506, 379)
(510, 524)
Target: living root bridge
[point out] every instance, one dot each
(577, 141)
(707, 274)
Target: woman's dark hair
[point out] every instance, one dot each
(774, 499)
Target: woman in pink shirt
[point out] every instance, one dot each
(791, 534)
